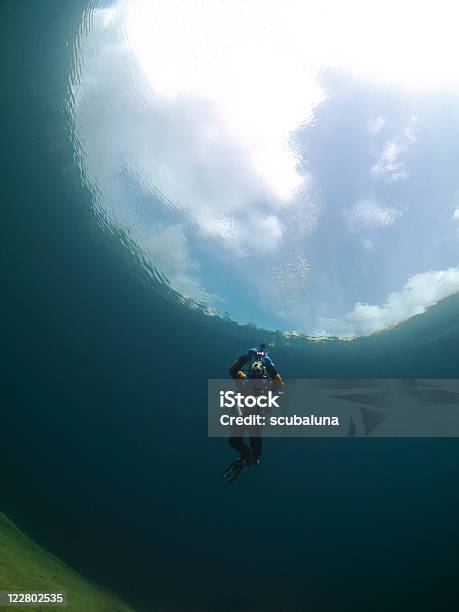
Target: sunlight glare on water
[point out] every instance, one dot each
(278, 162)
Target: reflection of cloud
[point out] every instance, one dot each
(456, 218)
(368, 245)
(421, 291)
(128, 138)
(389, 165)
(181, 148)
(368, 213)
(167, 247)
(238, 56)
(270, 229)
(184, 138)
(196, 180)
(375, 126)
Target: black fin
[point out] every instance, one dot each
(233, 471)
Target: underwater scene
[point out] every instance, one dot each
(203, 195)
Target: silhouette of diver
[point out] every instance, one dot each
(260, 368)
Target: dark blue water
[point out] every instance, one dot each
(105, 455)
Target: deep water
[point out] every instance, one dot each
(105, 455)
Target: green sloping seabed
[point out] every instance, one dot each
(25, 566)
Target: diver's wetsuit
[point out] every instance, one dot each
(237, 432)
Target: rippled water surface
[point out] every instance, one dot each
(293, 168)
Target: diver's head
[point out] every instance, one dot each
(257, 369)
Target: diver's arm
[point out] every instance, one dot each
(273, 373)
(235, 367)
(277, 379)
(270, 368)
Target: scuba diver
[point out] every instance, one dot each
(260, 376)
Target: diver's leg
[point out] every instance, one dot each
(255, 442)
(236, 441)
